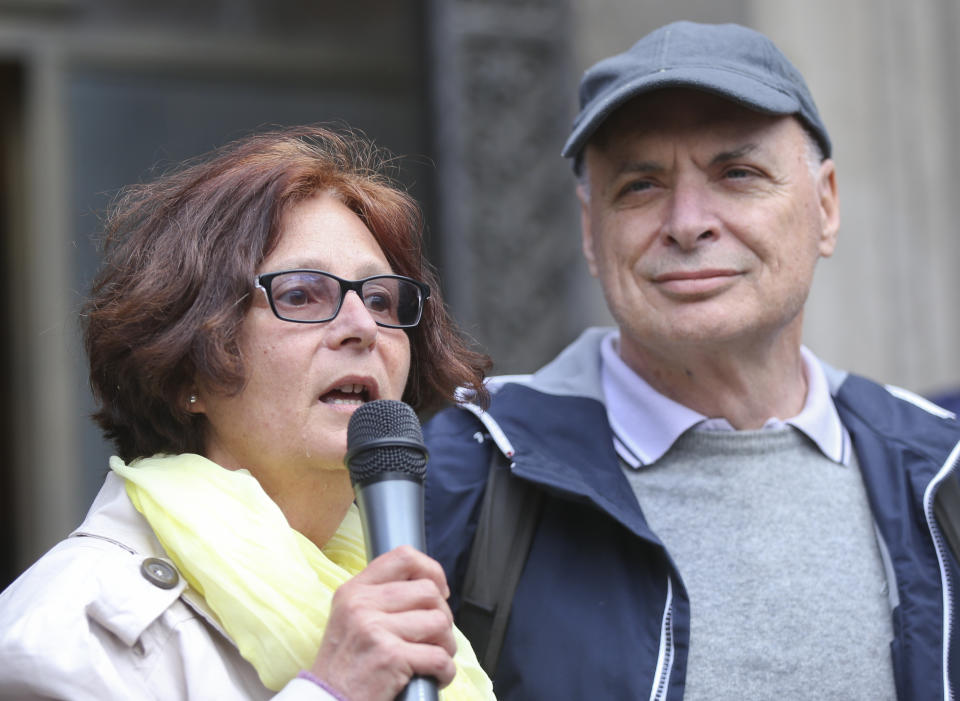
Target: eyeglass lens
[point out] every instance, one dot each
(314, 296)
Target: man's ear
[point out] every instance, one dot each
(829, 203)
(586, 229)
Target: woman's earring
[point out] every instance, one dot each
(192, 399)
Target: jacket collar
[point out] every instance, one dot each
(113, 518)
(531, 417)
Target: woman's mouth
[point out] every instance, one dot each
(347, 395)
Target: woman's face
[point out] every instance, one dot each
(304, 381)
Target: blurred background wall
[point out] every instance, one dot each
(477, 96)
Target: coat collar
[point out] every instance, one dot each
(113, 518)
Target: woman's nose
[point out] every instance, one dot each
(353, 323)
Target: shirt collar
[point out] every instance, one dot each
(645, 423)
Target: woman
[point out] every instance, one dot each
(246, 306)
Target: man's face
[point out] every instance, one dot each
(704, 222)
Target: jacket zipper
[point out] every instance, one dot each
(948, 468)
(665, 657)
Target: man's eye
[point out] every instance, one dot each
(636, 186)
(737, 173)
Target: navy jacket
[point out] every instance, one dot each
(599, 611)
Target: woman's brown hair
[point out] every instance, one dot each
(180, 254)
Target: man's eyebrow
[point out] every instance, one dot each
(639, 167)
(626, 167)
(727, 156)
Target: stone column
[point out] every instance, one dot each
(508, 225)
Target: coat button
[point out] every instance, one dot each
(159, 573)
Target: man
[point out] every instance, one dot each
(721, 515)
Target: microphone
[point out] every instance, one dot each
(387, 461)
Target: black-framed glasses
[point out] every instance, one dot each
(314, 296)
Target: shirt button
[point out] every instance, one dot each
(159, 573)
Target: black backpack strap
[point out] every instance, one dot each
(508, 518)
(946, 508)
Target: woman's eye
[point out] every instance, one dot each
(293, 297)
(379, 301)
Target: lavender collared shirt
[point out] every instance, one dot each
(645, 423)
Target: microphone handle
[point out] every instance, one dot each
(391, 512)
(419, 689)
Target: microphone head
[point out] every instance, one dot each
(384, 440)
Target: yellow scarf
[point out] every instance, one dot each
(269, 585)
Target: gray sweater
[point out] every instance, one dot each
(776, 548)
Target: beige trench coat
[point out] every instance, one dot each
(89, 622)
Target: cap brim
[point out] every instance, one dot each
(737, 87)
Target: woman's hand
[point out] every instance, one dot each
(387, 624)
